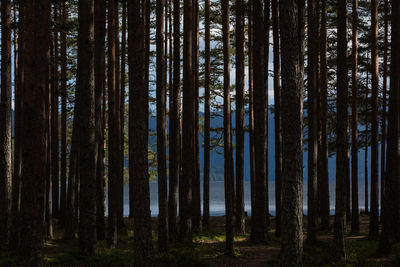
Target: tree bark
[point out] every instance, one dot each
(138, 133)
(188, 168)
(196, 203)
(384, 99)
(374, 216)
(292, 35)
(16, 182)
(390, 207)
(55, 167)
(35, 62)
(240, 219)
(258, 215)
(267, 4)
(206, 190)
(251, 118)
(355, 221)
(5, 124)
(113, 125)
(100, 33)
(228, 157)
(312, 115)
(323, 153)
(161, 131)
(278, 124)
(85, 83)
(341, 132)
(174, 146)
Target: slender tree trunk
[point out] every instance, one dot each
(174, 146)
(374, 216)
(323, 153)
(390, 207)
(366, 139)
(278, 124)
(100, 33)
(384, 100)
(122, 113)
(196, 212)
(85, 83)
(206, 190)
(188, 168)
(240, 219)
(5, 123)
(71, 213)
(267, 4)
(355, 221)
(161, 132)
(16, 182)
(259, 216)
(36, 29)
(138, 133)
(55, 169)
(251, 117)
(341, 132)
(228, 157)
(292, 34)
(63, 94)
(49, 88)
(113, 125)
(312, 122)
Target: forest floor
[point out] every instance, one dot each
(208, 250)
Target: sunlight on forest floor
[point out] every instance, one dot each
(208, 250)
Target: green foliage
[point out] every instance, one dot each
(6, 260)
(103, 257)
(181, 257)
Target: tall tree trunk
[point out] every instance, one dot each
(100, 33)
(5, 123)
(113, 125)
(161, 132)
(85, 83)
(366, 139)
(312, 112)
(390, 207)
(35, 62)
(341, 132)
(49, 88)
(251, 118)
(206, 190)
(323, 175)
(228, 157)
(174, 136)
(267, 4)
(196, 212)
(188, 168)
(278, 124)
(63, 93)
(258, 215)
(122, 114)
(384, 99)
(138, 133)
(374, 216)
(16, 178)
(240, 219)
(292, 34)
(355, 221)
(55, 169)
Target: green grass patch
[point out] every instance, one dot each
(181, 257)
(6, 260)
